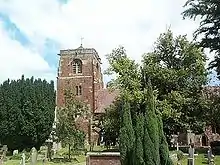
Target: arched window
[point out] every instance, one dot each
(77, 66)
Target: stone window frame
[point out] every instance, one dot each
(77, 66)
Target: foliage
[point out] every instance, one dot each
(180, 155)
(110, 123)
(141, 131)
(67, 129)
(212, 114)
(209, 30)
(176, 68)
(26, 112)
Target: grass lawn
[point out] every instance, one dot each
(200, 160)
(80, 161)
(77, 160)
(17, 162)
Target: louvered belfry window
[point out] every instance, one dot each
(77, 66)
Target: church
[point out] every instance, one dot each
(80, 69)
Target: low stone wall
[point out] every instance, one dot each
(103, 158)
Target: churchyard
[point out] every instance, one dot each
(58, 158)
(162, 111)
(41, 158)
(199, 160)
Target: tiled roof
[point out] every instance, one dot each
(104, 98)
(211, 90)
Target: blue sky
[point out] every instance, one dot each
(32, 32)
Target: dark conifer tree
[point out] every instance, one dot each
(26, 112)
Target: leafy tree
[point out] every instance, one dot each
(110, 123)
(212, 102)
(141, 131)
(26, 112)
(176, 68)
(67, 128)
(209, 30)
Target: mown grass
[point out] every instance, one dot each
(200, 160)
(76, 160)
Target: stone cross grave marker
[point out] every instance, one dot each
(33, 157)
(177, 146)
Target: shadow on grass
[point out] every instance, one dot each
(111, 150)
(64, 160)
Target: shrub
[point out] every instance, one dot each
(179, 155)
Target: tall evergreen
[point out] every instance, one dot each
(126, 135)
(141, 138)
(26, 112)
(142, 141)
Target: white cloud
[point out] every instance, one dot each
(104, 24)
(17, 60)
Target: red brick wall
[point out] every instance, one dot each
(103, 160)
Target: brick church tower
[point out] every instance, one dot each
(80, 70)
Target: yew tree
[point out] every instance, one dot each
(26, 112)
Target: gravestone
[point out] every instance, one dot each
(177, 146)
(15, 152)
(22, 159)
(3, 152)
(191, 155)
(33, 157)
(190, 137)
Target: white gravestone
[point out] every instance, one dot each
(33, 156)
(15, 152)
(22, 159)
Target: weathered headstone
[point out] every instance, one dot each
(22, 159)
(15, 152)
(33, 156)
(190, 137)
(3, 152)
(191, 155)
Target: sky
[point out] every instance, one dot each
(32, 32)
